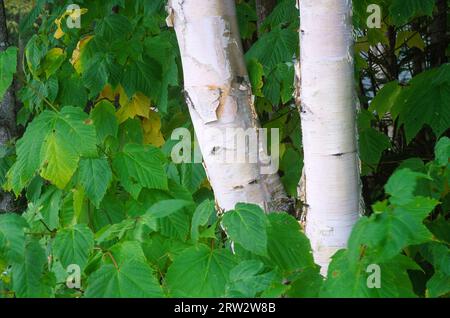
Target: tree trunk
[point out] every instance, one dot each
(219, 98)
(328, 112)
(263, 9)
(439, 38)
(7, 110)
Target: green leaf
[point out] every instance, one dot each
(201, 217)
(72, 91)
(96, 74)
(401, 185)
(115, 231)
(131, 132)
(163, 48)
(49, 204)
(385, 98)
(95, 175)
(27, 276)
(176, 225)
(248, 279)
(256, 73)
(113, 27)
(279, 83)
(125, 252)
(277, 46)
(388, 232)
(307, 284)
(132, 279)
(105, 120)
(143, 76)
(347, 280)
(27, 149)
(246, 16)
(35, 51)
(438, 285)
(60, 160)
(439, 256)
(53, 61)
(74, 245)
(53, 142)
(372, 143)
(140, 167)
(247, 226)
(284, 13)
(403, 11)
(288, 248)
(8, 65)
(430, 88)
(12, 246)
(442, 151)
(192, 175)
(291, 165)
(200, 272)
(167, 207)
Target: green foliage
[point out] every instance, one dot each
(132, 279)
(140, 166)
(403, 10)
(28, 275)
(247, 227)
(431, 88)
(200, 271)
(12, 237)
(73, 245)
(8, 65)
(53, 145)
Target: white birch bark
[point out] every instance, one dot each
(219, 97)
(328, 112)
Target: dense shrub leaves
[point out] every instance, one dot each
(200, 272)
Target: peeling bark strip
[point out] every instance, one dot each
(328, 124)
(219, 96)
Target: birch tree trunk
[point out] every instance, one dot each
(219, 98)
(328, 111)
(7, 110)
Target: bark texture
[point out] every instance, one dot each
(439, 36)
(263, 9)
(328, 115)
(219, 97)
(7, 110)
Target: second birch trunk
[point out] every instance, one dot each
(328, 112)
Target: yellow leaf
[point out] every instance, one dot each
(206, 184)
(107, 93)
(53, 60)
(59, 31)
(111, 94)
(77, 55)
(123, 97)
(74, 14)
(152, 130)
(139, 105)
